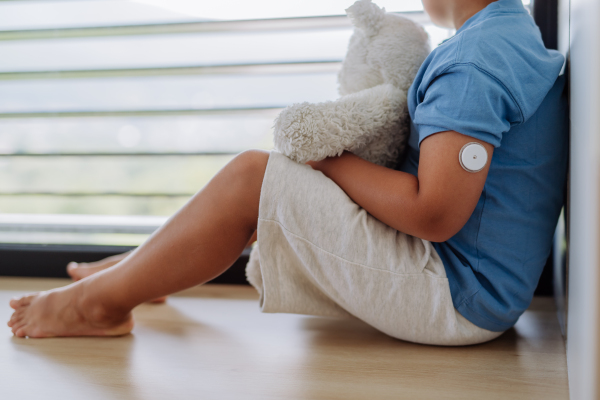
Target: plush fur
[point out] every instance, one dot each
(370, 119)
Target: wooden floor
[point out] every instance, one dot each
(213, 343)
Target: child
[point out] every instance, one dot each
(433, 253)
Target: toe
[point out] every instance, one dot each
(14, 319)
(21, 302)
(13, 323)
(74, 269)
(20, 331)
(72, 266)
(14, 303)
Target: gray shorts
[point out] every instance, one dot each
(319, 253)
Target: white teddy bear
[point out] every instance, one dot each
(371, 118)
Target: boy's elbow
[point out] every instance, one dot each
(438, 228)
(437, 236)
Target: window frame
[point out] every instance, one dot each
(50, 260)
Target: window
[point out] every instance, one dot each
(113, 112)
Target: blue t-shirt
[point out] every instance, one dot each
(495, 81)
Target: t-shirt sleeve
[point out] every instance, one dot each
(467, 100)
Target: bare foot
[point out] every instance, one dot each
(65, 312)
(78, 271)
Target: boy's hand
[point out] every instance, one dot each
(318, 165)
(434, 206)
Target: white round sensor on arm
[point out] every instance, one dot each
(473, 157)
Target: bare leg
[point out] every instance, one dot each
(198, 243)
(78, 271)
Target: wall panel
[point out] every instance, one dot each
(583, 355)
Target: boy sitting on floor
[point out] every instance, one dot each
(437, 252)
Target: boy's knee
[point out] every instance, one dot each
(248, 168)
(251, 162)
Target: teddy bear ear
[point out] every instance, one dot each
(366, 16)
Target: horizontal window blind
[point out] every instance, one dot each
(113, 113)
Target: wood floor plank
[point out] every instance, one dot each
(212, 342)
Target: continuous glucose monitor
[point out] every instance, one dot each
(473, 157)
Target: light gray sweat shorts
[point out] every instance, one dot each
(319, 253)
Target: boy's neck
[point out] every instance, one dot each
(462, 10)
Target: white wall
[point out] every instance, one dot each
(583, 352)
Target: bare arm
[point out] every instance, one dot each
(434, 206)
